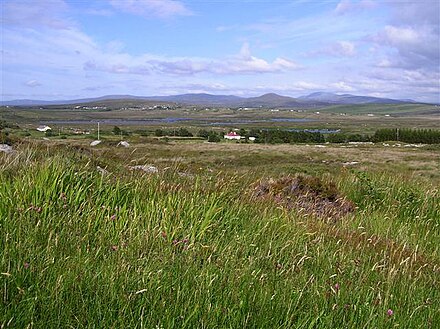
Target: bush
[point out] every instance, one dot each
(213, 137)
(116, 130)
(158, 133)
(203, 133)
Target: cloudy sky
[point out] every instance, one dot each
(65, 49)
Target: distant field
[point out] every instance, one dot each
(392, 109)
(348, 118)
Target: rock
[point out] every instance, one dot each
(124, 144)
(102, 171)
(350, 163)
(146, 168)
(184, 174)
(94, 143)
(6, 148)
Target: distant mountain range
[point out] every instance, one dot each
(351, 99)
(271, 100)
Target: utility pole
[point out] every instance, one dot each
(397, 134)
(98, 130)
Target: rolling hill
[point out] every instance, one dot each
(269, 100)
(350, 99)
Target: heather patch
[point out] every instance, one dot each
(306, 194)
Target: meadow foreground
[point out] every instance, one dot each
(190, 246)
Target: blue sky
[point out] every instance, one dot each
(65, 49)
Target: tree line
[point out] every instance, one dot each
(425, 136)
(277, 136)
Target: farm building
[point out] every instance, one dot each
(232, 135)
(44, 128)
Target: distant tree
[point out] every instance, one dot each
(159, 132)
(4, 124)
(203, 133)
(427, 136)
(213, 137)
(116, 130)
(183, 132)
(143, 133)
(337, 138)
(255, 133)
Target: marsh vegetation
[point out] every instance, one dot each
(192, 247)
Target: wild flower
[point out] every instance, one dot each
(35, 208)
(26, 265)
(114, 248)
(183, 241)
(337, 287)
(113, 217)
(390, 312)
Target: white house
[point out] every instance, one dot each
(44, 128)
(232, 135)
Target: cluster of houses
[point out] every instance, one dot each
(233, 135)
(76, 131)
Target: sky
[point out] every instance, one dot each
(70, 49)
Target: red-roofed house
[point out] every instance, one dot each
(232, 135)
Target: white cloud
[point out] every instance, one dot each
(401, 36)
(35, 14)
(345, 48)
(99, 12)
(32, 83)
(338, 49)
(413, 36)
(417, 47)
(303, 85)
(347, 6)
(421, 12)
(243, 63)
(152, 8)
(341, 86)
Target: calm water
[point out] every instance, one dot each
(207, 122)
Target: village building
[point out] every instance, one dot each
(232, 135)
(44, 128)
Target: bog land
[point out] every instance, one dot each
(173, 231)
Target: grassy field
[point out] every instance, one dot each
(351, 119)
(193, 246)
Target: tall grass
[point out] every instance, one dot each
(79, 249)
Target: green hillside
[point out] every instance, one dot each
(392, 109)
